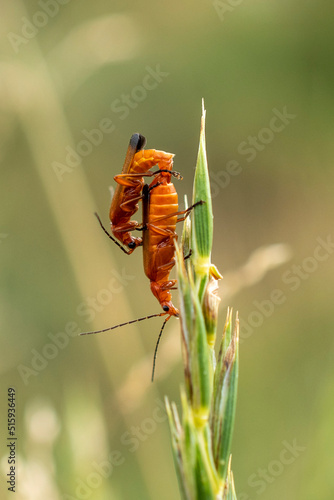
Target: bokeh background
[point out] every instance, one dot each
(90, 424)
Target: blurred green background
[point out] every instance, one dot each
(89, 422)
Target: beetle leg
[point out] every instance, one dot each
(128, 180)
(137, 198)
(168, 266)
(123, 228)
(175, 214)
(168, 285)
(162, 231)
(128, 252)
(189, 255)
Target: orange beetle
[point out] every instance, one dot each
(128, 192)
(160, 216)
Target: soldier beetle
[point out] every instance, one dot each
(124, 204)
(160, 216)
